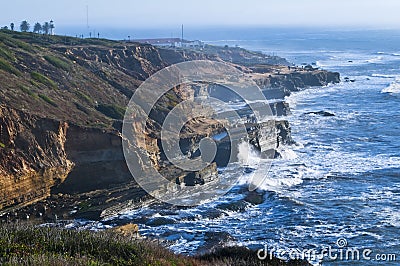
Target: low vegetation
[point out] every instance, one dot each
(57, 62)
(30, 245)
(4, 65)
(28, 91)
(13, 42)
(6, 53)
(47, 99)
(44, 80)
(84, 97)
(26, 244)
(112, 110)
(24, 40)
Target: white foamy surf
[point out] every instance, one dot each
(394, 87)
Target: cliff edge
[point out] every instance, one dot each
(62, 100)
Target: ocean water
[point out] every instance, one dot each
(342, 178)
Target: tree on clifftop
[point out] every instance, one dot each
(12, 26)
(37, 28)
(46, 28)
(24, 26)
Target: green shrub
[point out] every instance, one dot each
(29, 245)
(23, 45)
(171, 96)
(82, 108)
(44, 80)
(111, 110)
(34, 83)
(98, 125)
(84, 97)
(6, 53)
(22, 35)
(18, 44)
(57, 62)
(4, 65)
(23, 244)
(47, 100)
(28, 91)
(2, 145)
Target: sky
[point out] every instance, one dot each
(203, 13)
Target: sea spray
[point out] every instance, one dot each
(286, 153)
(247, 155)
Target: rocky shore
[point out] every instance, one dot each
(61, 105)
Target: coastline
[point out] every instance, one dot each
(70, 194)
(92, 117)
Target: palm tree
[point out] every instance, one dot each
(46, 28)
(24, 26)
(37, 28)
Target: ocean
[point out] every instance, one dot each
(338, 187)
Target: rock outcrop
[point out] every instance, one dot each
(32, 156)
(99, 162)
(61, 105)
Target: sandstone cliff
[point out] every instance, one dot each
(32, 156)
(61, 105)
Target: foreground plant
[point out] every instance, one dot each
(28, 244)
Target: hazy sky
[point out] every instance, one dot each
(159, 13)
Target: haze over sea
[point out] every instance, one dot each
(341, 180)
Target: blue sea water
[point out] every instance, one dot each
(342, 178)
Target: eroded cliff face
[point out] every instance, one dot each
(280, 81)
(32, 156)
(61, 108)
(43, 157)
(98, 158)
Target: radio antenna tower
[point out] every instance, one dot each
(87, 16)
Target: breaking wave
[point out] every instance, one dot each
(394, 87)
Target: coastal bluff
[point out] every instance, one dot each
(62, 101)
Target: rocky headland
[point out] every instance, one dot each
(62, 101)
